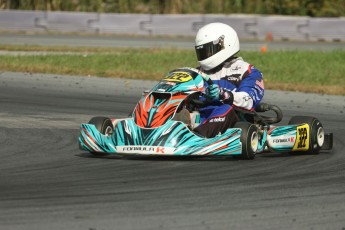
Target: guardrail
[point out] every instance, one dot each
(255, 27)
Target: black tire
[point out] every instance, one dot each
(104, 126)
(316, 132)
(249, 139)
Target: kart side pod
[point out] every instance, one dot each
(303, 134)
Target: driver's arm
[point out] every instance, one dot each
(250, 91)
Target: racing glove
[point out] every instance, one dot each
(213, 91)
(226, 96)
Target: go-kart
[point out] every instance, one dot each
(153, 128)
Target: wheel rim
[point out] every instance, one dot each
(320, 136)
(254, 141)
(108, 131)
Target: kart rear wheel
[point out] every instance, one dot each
(104, 126)
(249, 139)
(317, 133)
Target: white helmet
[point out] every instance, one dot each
(214, 43)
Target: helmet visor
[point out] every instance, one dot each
(209, 49)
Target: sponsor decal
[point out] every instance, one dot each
(233, 79)
(217, 119)
(260, 83)
(281, 142)
(140, 148)
(237, 68)
(145, 149)
(284, 140)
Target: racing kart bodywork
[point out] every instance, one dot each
(153, 127)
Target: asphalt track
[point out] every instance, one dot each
(46, 182)
(152, 42)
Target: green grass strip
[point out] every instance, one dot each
(308, 71)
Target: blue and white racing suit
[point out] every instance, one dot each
(247, 88)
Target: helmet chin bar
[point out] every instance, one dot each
(214, 61)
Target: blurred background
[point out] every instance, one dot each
(287, 36)
(295, 20)
(312, 8)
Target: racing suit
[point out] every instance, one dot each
(241, 85)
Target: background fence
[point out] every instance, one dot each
(254, 27)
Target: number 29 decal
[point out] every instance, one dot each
(302, 138)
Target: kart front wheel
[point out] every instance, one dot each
(103, 125)
(249, 139)
(316, 132)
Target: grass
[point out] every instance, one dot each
(307, 71)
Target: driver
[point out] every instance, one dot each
(235, 82)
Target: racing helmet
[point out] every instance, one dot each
(215, 43)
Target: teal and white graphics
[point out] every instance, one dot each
(282, 138)
(173, 138)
